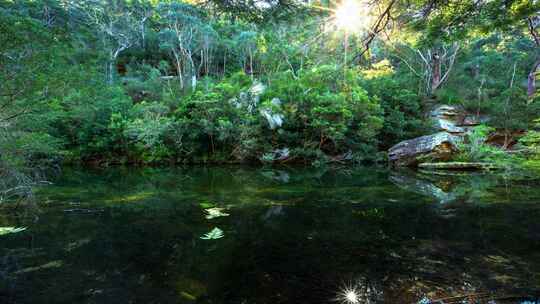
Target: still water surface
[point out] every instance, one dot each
(288, 235)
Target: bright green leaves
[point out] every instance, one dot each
(214, 234)
(9, 230)
(325, 114)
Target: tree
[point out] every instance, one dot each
(247, 46)
(183, 31)
(116, 27)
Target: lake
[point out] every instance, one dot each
(273, 235)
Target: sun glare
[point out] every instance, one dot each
(351, 297)
(352, 15)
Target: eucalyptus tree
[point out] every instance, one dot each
(534, 25)
(116, 27)
(183, 29)
(207, 44)
(142, 12)
(247, 46)
(432, 65)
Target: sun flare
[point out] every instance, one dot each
(351, 296)
(352, 15)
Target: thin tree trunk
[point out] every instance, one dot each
(507, 111)
(531, 81)
(110, 67)
(250, 64)
(179, 70)
(436, 72)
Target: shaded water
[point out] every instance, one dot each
(288, 236)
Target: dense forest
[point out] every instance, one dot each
(168, 82)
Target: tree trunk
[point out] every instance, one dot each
(436, 72)
(179, 70)
(531, 81)
(193, 74)
(250, 64)
(110, 71)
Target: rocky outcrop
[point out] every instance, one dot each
(451, 123)
(452, 119)
(435, 147)
(446, 118)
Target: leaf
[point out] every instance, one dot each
(206, 205)
(215, 234)
(215, 212)
(8, 230)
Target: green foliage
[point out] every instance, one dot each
(210, 120)
(187, 80)
(403, 115)
(326, 111)
(531, 141)
(475, 149)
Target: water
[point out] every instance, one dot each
(287, 235)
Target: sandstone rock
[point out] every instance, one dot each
(448, 118)
(448, 126)
(458, 166)
(435, 147)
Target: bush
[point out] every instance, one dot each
(403, 115)
(475, 149)
(326, 112)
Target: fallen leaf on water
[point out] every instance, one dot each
(215, 234)
(8, 230)
(215, 212)
(52, 264)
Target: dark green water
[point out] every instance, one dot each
(291, 236)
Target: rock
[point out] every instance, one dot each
(448, 118)
(435, 147)
(502, 140)
(448, 126)
(458, 166)
(454, 119)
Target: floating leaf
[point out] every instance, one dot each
(8, 230)
(215, 234)
(206, 205)
(215, 212)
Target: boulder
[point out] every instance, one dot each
(448, 118)
(435, 147)
(454, 119)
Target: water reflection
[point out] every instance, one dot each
(463, 187)
(281, 241)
